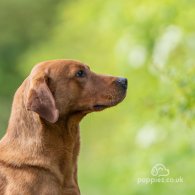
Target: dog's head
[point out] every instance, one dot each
(61, 87)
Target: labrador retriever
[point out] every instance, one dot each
(39, 152)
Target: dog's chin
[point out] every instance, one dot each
(101, 106)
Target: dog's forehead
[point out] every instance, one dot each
(61, 65)
(70, 67)
(77, 65)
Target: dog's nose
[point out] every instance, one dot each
(122, 82)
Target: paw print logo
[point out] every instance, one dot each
(159, 170)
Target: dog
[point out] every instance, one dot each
(39, 152)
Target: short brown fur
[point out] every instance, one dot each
(39, 152)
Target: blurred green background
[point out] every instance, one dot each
(150, 42)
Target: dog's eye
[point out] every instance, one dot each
(80, 73)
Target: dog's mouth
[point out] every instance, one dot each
(99, 107)
(102, 106)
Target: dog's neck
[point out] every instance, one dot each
(31, 141)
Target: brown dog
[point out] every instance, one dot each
(38, 154)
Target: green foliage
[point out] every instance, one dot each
(150, 42)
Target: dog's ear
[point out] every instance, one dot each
(41, 100)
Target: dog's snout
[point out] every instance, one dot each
(122, 82)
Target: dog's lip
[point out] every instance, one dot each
(100, 106)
